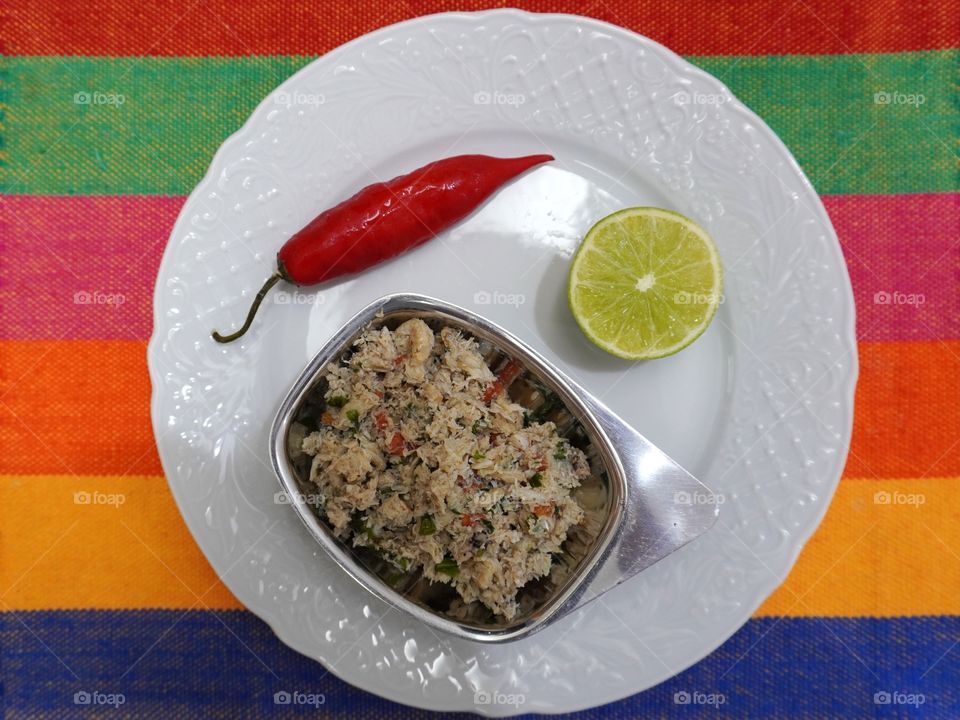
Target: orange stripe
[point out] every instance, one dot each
(886, 548)
(58, 554)
(907, 413)
(83, 407)
(867, 559)
(77, 407)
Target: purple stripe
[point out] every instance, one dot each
(81, 268)
(84, 267)
(903, 253)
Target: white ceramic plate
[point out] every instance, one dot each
(759, 408)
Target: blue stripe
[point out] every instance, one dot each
(788, 668)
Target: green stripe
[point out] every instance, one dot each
(824, 108)
(175, 114)
(177, 111)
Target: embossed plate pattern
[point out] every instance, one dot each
(760, 408)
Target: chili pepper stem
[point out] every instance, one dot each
(271, 281)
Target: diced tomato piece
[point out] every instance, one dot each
(507, 375)
(397, 445)
(470, 519)
(381, 420)
(326, 419)
(491, 391)
(543, 510)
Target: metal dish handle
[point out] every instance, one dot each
(665, 507)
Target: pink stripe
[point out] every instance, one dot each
(903, 253)
(903, 249)
(81, 267)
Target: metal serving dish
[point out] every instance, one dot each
(640, 505)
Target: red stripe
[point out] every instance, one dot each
(903, 254)
(222, 27)
(53, 247)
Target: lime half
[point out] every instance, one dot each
(645, 283)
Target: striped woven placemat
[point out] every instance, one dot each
(116, 598)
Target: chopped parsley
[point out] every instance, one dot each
(354, 417)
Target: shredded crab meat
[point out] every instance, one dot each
(415, 460)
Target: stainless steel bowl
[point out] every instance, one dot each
(642, 504)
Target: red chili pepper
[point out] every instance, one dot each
(543, 510)
(507, 375)
(386, 219)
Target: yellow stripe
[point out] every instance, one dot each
(126, 547)
(885, 548)
(129, 548)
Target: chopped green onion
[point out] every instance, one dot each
(477, 456)
(479, 425)
(337, 401)
(561, 452)
(487, 524)
(360, 526)
(354, 417)
(448, 566)
(536, 480)
(427, 525)
(550, 402)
